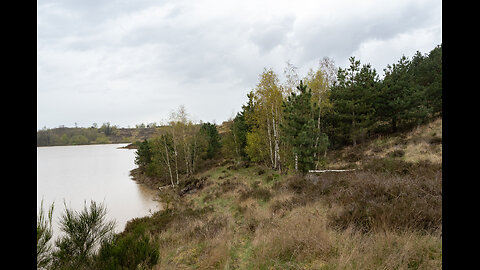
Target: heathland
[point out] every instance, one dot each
(384, 214)
(338, 170)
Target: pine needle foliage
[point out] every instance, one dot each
(299, 127)
(44, 235)
(83, 231)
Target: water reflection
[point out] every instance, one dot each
(79, 174)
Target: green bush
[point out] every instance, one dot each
(44, 235)
(83, 232)
(78, 139)
(128, 251)
(257, 192)
(101, 138)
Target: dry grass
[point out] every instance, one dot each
(385, 215)
(378, 202)
(314, 223)
(421, 144)
(300, 235)
(388, 250)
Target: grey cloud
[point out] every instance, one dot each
(340, 39)
(269, 35)
(150, 56)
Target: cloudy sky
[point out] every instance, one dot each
(131, 62)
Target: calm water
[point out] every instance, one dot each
(76, 174)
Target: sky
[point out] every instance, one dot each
(132, 62)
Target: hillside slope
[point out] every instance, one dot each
(384, 215)
(422, 144)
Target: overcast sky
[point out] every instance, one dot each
(131, 62)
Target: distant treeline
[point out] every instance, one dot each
(290, 126)
(94, 135)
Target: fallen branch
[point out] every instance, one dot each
(321, 171)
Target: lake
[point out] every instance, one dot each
(79, 174)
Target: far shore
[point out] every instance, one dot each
(129, 146)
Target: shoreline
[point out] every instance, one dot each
(140, 178)
(131, 145)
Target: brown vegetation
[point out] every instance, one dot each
(387, 214)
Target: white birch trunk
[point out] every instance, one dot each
(322, 171)
(168, 161)
(176, 153)
(318, 130)
(296, 162)
(270, 141)
(194, 154)
(186, 152)
(276, 139)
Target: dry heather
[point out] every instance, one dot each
(387, 214)
(354, 220)
(422, 144)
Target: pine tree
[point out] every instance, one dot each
(299, 127)
(395, 98)
(353, 98)
(209, 133)
(143, 155)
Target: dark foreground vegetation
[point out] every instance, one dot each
(88, 242)
(240, 196)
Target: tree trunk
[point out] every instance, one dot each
(168, 161)
(316, 154)
(236, 147)
(354, 136)
(270, 143)
(176, 154)
(276, 139)
(192, 169)
(296, 162)
(394, 124)
(186, 152)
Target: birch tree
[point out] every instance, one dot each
(186, 138)
(268, 97)
(320, 82)
(291, 78)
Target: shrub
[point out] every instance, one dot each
(162, 220)
(397, 153)
(228, 185)
(388, 165)
(83, 232)
(297, 183)
(300, 235)
(101, 138)
(376, 202)
(391, 166)
(78, 139)
(435, 140)
(209, 228)
(257, 192)
(367, 200)
(128, 251)
(44, 234)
